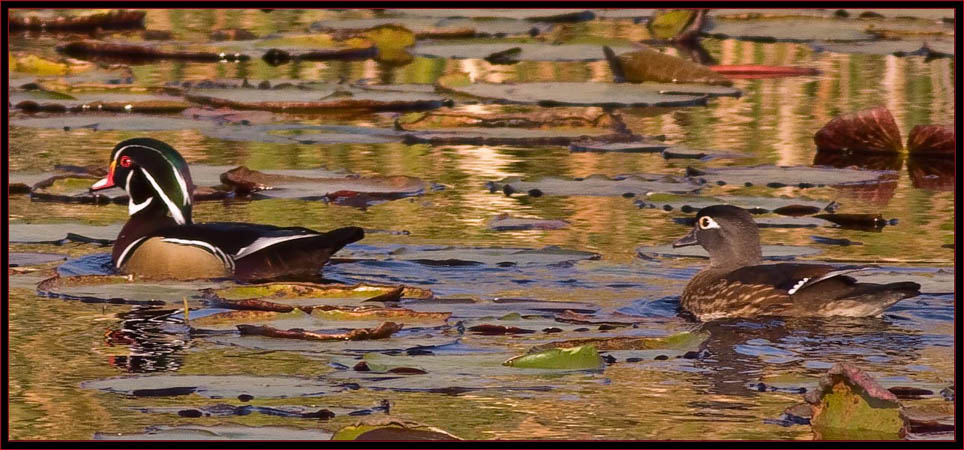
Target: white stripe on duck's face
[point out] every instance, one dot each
(134, 208)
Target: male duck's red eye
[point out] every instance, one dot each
(125, 161)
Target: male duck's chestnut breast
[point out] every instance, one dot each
(161, 258)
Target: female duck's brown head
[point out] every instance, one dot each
(155, 177)
(728, 234)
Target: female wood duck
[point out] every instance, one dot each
(161, 241)
(736, 284)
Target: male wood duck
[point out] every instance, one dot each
(161, 241)
(736, 284)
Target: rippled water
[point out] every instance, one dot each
(56, 345)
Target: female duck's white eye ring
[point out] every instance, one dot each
(706, 222)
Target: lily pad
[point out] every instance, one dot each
(788, 30)
(929, 48)
(217, 432)
(756, 205)
(590, 94)
(122, 122)
(310, 295)
(850, 404)
(872, 130)
(574, 358)
(770, 252)
(19, 259)
(391, 430)
(931, 140)
(464, 256)
(120, 289)
(383, 331)
(268, 185)
(798, 176)
(133, 53)
(320, 99)
(650, 65)
(679, 341)
(437, 28)
(110, 20)
(595, 146)
(504, 222)
(303, 134)
(480, 49)
(511, 136)
(534, 15)
(594, 185)
(214, 386)
(53, 232)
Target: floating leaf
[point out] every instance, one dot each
(931, 140)
(594, 185)
(504, 222)
(588, 94)
(533, 15)
(215, 386)
(667, 24)
(640, 146)
(930, 48)
(124, 122)
(391, 430)
(110, 51)
(273, 185)
(511, 136)
(217, 432)
(799, 176)
(849, 404)
(311, 295)
(788, 30)
(391, 41)
(756, 205)
(321, 99)
(120, 289)
(20, 259)
(521, 51)
(574, 358)
(753, 71)
(53, 232)
(36, 65)
(770, 252)
(111, 20)
(868, 222)
(383, 331)
(650, 65)
(679, 341)
(437, 28)
(872, 130)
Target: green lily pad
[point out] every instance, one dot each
(798, 176)
(693, 203)
(213, 386)
(904, 47)
(679, 341)
(510, 136)
(121, 122)
(534, 15)
(312, 294)
(122, 289)
(427, 27)
(574, 358)
(648, 65)
(850, 404)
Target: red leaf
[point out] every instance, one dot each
(931, 140)
(870, 130)
(751, 71)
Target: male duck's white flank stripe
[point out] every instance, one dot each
(123, 256)
(264, 242)
(227, 260)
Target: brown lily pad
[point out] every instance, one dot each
(850, 404)
(931, 140)
(391, 430)
(869, 130)
(110, 51)
(383, 331)
(108, 21)
(314, 99)
(486, 329)
(650, 65)
(867, 222)
(246, 181)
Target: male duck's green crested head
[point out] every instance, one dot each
(154, 175)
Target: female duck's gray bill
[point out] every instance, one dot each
(689, 239)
